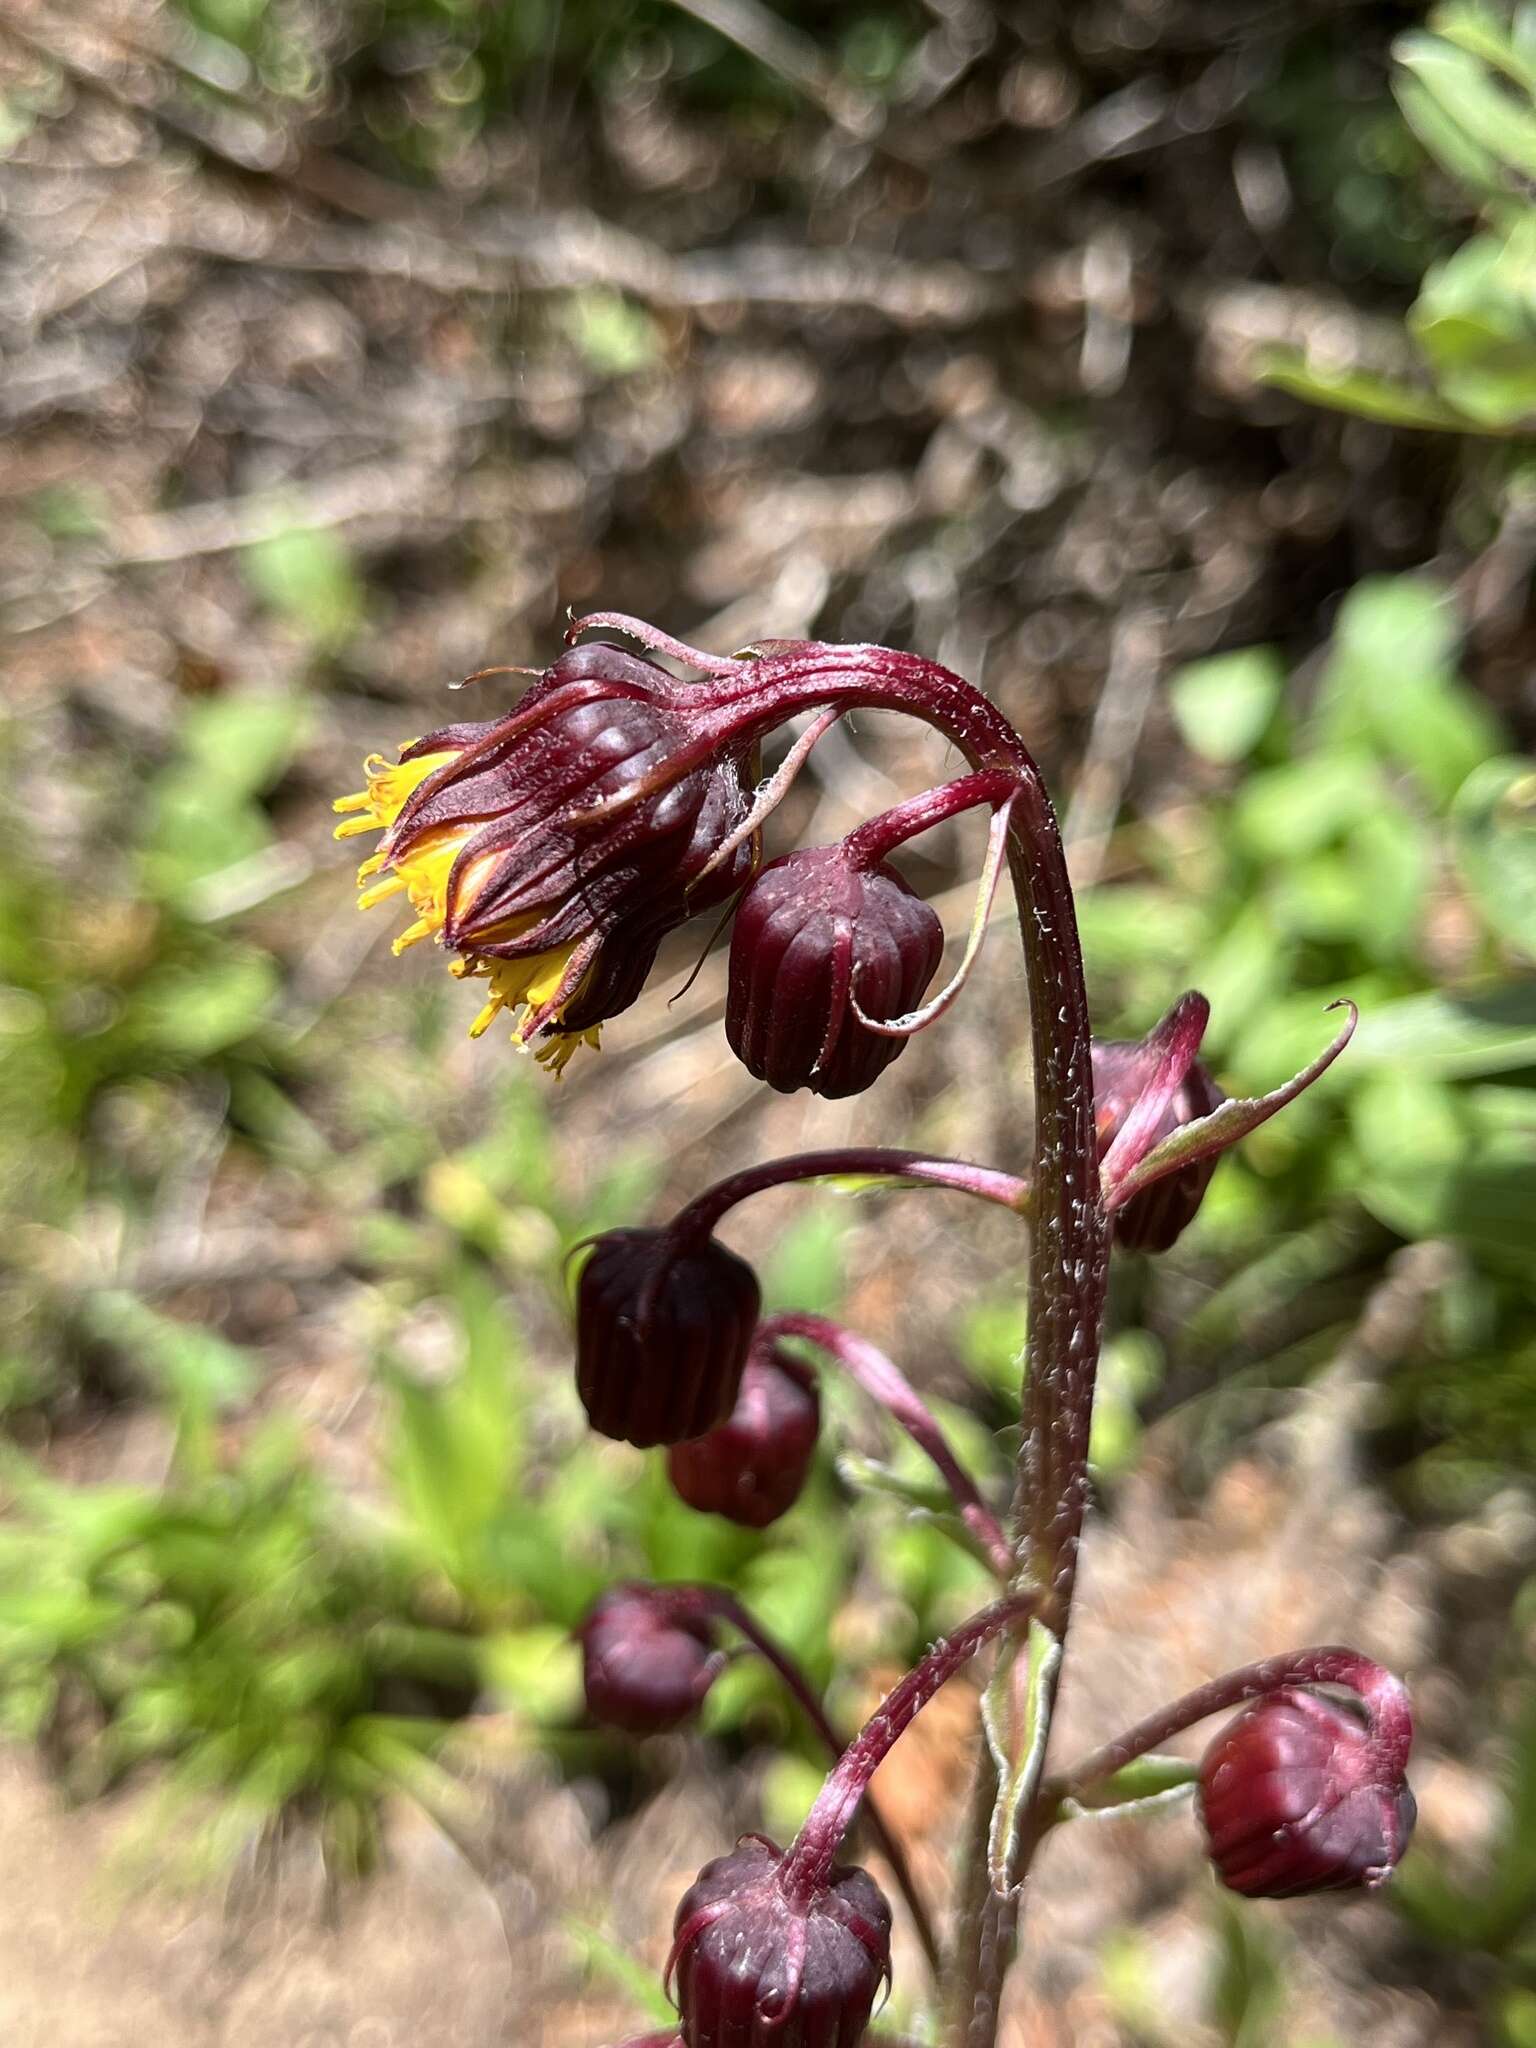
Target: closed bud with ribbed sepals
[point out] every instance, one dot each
(1297, 1795)
(820, 936)
(662, 1333)
(757, 1966)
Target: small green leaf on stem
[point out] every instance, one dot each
(1147, 1781)
(1016, 1714)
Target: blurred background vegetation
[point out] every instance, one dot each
(1169, 367)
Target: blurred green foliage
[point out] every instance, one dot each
(1377, 845)
(1466, 85)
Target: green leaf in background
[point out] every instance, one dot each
(456, 1448)
(616, 336)
(1293, 810)
(306, 575)
(1365, 393)
(1493, 827)
(1130, 1368)
(1484, 108)
(789, 1789)
(197, 1367)
(1517, 2018)
(1488, 1030)
(243, 743)
(1473, 322)
(1442, 1163)
(605, 1959)
(805, 1268)
(1241, 973)
(1223, 706)
(1457, 152)
(1485, 32)
(196, 1011)
(1391, 681)
(201, 815)
(1247, 1993)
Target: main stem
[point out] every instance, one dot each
(1068, 1270)
(1069, 1233)
(1068, 1273)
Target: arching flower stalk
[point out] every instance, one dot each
(548, 853)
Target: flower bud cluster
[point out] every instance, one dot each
(550, 852)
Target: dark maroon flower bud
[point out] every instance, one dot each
(662, 1334)
(751, 1468)
(1297, 1795)
(1154, 1219)
(819, 936)
(646, 1663)
(627, 953)
(758, 1968)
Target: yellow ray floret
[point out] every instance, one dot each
(532, 983)
(555, 1053)
(389, 784)
(421, 874)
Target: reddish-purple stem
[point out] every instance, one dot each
(876, 837)
(1385, 1698)
(714, 1603)
(808, 1863)
(703, 1213)
(884, 1381)
(657, 641)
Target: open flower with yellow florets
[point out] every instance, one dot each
(550, 851)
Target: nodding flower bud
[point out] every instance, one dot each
(662, 1333)
(819, 936)
(1154, 1219)
(645, 1664)
(751, 1468)
(550, 851)
(1298, 1795)
(759, 1968)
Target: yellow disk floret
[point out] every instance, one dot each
(421, 875)
(388, 787)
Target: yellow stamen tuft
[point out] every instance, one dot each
(389, 784)
(487, 1017)
(390, 886)
(423, 928)
(421, 872)
(555, 1053)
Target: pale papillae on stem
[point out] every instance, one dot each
(547, 853)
